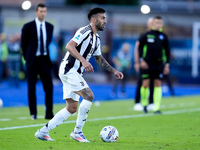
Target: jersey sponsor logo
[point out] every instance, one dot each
(150, 36)
(161, 37)
(150, 40)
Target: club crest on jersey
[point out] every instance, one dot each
(161, 75)
(77, 37)
(161, 37)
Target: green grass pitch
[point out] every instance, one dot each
(178, 128)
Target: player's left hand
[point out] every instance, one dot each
(119, 75)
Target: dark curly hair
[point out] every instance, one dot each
(95, 11)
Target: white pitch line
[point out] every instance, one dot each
(5, 119)
(75, 114)
(25, 118)
(111, 118)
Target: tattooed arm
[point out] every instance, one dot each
(105, 65)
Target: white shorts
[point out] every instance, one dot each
(72, 81)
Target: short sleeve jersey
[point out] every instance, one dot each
(88, 44)
(154, 45)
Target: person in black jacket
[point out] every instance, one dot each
(154, 59)
(35, 39)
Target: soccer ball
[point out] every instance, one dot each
(109, 134)
(1, 103)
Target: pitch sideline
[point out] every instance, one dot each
(110, 118)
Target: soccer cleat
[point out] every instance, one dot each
(138, 107)
(150, 107)
(33, 117)
(145, 110)
(158, 112)
(43, 136)
(78, 136)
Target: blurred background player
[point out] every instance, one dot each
(138, 106)
(3, 55)
(153, 45)
(122, 62)
(167, 77)
(14, 59)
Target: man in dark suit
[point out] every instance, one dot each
(35, 39)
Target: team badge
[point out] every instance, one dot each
(161, 37)
(161, 75)
(82, 84)
(77, 37)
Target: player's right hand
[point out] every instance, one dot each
(87, 66)
(144, 65)
(119, 75)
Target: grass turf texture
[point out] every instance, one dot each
(177, 128)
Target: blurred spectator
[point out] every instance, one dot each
(167, 79)
(14, 59)
(106, 54)
(3, 55)
(122, 62)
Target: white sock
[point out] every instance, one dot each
(82, 115)
(61, 116)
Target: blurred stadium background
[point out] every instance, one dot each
(126, 22)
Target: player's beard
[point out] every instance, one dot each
(99, 26)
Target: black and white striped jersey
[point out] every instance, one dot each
(88, 44)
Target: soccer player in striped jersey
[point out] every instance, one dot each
(84, 45)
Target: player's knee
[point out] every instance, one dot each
(145, 85)
(72, 110)
(157, 83)
(90, 96)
